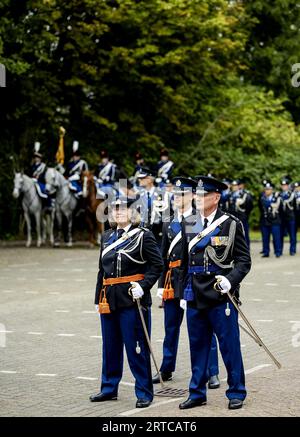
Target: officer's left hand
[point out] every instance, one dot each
(224, 284)
(137, 291)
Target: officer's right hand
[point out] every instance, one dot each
(160, 292)
(97, 308)
(183, 304)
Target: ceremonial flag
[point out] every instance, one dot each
(60, 154)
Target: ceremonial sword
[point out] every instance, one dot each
(253, 334)
(147, 336)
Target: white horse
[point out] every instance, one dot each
(32, 205)
(65, 201)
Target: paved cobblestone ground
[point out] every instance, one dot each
(50, 345)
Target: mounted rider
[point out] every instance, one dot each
(164, 168)
(139, 164)
(76, 166)
(38, 170)
(107, 175)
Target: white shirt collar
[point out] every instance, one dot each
(151, 191)
(210, 218)
(186, 213)
(125, 229)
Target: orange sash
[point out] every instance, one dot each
(103, 304)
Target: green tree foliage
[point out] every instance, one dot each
(132, 75)
(273, 48)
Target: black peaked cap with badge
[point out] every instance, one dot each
(182, 184)
(145, 171)
(123, 201)
(207, 184)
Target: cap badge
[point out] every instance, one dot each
(200, 184)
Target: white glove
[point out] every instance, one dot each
(159, 293)
(224, 284)
(137, 291)
(100, 181)
(97, 308)
(182, 304)
(74, 177)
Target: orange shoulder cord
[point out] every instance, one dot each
(103, 304)
(168, 289)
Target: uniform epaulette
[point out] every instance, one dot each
(233, 217)
(144, 229)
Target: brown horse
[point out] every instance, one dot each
(95, 227)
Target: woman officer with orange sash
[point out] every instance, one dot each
(130, 264)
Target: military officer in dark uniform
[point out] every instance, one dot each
(155, 204)
(168, 285)
(164, 168)
(288, 222)
(129, 259)
(241, 204)
(139, 164)
(225, 195)
(107, 174)
(296, 188)
(38, 170)
(76, 166)
(218, 252)
(270, 205)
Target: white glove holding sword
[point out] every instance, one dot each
(136, 290)
(223, 284)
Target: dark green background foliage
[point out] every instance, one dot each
(209, 79)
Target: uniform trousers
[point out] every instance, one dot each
(173, 316)
(201, 326)
(120, 328)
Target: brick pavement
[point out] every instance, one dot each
(51, 360)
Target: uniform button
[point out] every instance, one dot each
(173, 255)
(193, 262)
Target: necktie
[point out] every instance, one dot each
(120, 232)
(205, 223)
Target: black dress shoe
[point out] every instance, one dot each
(142, 403)
(101, 397)
(214, 382)
(191, 403)
(265, 256)
(166, 376)
(235, 404)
